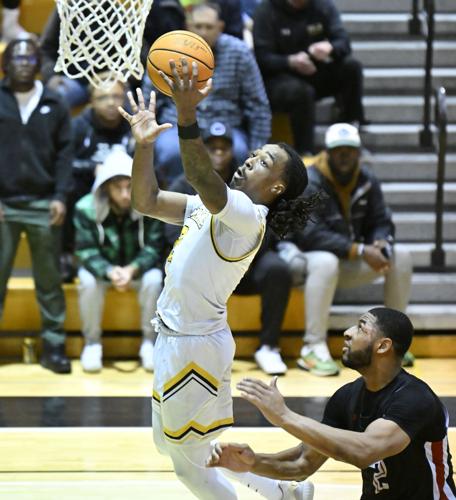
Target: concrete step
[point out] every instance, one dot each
(420, 227)
(391, 137)
(406, 80)
(389, 6)
(427, 288)
(415, 194)
(421, 253)
(387, 24)
(410, 166)
(387, 109)
(402, 54)
(423, 316)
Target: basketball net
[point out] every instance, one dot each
(101, 40)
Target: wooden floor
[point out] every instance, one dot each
(121, 463)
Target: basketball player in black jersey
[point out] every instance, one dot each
(388, 423)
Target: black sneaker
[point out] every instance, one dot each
(55, 359)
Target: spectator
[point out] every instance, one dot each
(230, 14)
(35, 172)
(304, 54)
(268, 275)
(352, 244)
(96, 132)
(11, 29)
(116, 247)
(238, 97)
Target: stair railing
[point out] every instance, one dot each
(441, 120)
(427, 28)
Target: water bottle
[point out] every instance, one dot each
(29, 351)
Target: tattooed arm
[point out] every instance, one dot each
(198, 167)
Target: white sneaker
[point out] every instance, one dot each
(146, 353)
(293, 490)
(91, 358)
(269, 360)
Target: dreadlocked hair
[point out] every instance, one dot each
(291, 210)
(290, 215)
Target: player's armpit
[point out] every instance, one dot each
(382, 439)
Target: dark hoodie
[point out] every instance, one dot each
(93, 141)
(280, 30)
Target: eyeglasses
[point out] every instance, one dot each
(21, 58)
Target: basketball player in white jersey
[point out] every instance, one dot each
(222, 229)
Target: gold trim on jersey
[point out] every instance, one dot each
(191, 371)
(234, 259)
(194, 427)
(156, 396)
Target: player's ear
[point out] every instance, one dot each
(278, 188)
(221, 25)
(385, 345)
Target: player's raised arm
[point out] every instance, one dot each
(197, 164)
(146, 195)
(382, 438)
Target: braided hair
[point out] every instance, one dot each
(291, 210)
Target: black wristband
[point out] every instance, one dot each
(188, 132)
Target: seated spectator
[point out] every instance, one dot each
(237, 98)
(35, 173)
(268, 275)
(304, 54)
(117, 248)
(351, 244)
(11, 28)
(230, 14)
(96, 132)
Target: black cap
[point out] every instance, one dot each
(217, 129)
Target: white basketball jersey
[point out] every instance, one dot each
(207, 262)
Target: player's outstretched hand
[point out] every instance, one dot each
(232, 456)
(185, 92)
(266, 398)
(143, 123)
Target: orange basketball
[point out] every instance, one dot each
(175, 45)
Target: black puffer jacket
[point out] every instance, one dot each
(280, 30)
(370, 218)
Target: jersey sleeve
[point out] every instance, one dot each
(193, 202)
(240, 213)
(412, 408)
(335, 414)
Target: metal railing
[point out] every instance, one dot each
(441, 120)
(427, 28)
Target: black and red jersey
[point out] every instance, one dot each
(423, 471)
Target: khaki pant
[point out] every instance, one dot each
(324, 273)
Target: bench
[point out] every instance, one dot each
(121, 324)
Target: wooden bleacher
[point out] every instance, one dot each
(122, 326)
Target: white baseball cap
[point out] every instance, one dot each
(342, 134)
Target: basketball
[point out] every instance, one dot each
(175, 45)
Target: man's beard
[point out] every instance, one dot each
(343, 178)
(357, 359)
